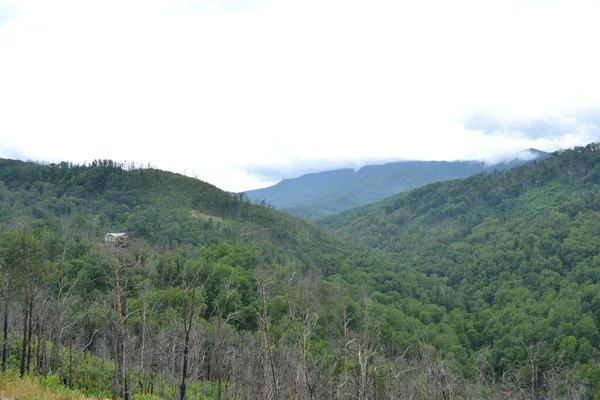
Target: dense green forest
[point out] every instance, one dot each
(521, 248)
(330, 192)
(480, 288)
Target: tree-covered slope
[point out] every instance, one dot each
(522, 246)
(209, 280)
(541, 211)
(218, 298)
(326, 193)
(164, 208)
(532, 191)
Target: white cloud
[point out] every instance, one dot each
(194, 86)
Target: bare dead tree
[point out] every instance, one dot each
(303, 321)
(439, 378)
(342, 389)
(10, 273)
(270, 389)
(146, 266)
(224, 314)
(123, 261)
(365, 349)
(34, 270)
(189, 308)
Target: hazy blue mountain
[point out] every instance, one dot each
(301, 190)
(325, 193)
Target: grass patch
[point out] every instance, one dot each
(35, 388)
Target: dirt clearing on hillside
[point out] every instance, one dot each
(205, 217)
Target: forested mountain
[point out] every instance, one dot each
(522, 248)
(217, 298)
(325, 193)
(213, 297)
(301, 190)
(165, 209)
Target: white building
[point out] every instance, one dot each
(116, 239)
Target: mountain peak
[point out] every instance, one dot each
(324, 193)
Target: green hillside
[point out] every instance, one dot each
(167, 210)
(326, 193)
(211, 287)
(522, 248)
(217, 298)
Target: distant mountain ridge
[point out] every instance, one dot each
(325, 193)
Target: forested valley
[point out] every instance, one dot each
(485, 287)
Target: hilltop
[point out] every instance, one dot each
(330, 192)
(163, 208)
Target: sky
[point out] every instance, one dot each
(243, 93)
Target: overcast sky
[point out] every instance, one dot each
(241, 93)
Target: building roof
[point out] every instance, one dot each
(119, 234)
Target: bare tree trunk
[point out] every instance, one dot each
(308, 326)
(24, 346)
(71, 363)
(187, 325)
(143, 345)
(125, 389)
(364, 353)
(188, 312)
(29, 334)
(120, 334)
(223, 318)
(184, 369)
(308, 322)
(5, 334)
(219, 358)
(119, 382)
(115, 385)
(343, 385)
(41, 353)
(533, 377)
(270, 389)
(56, 340)
(85, 369)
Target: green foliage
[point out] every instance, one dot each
(493, 276)
(326, 193)
(519, 246)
